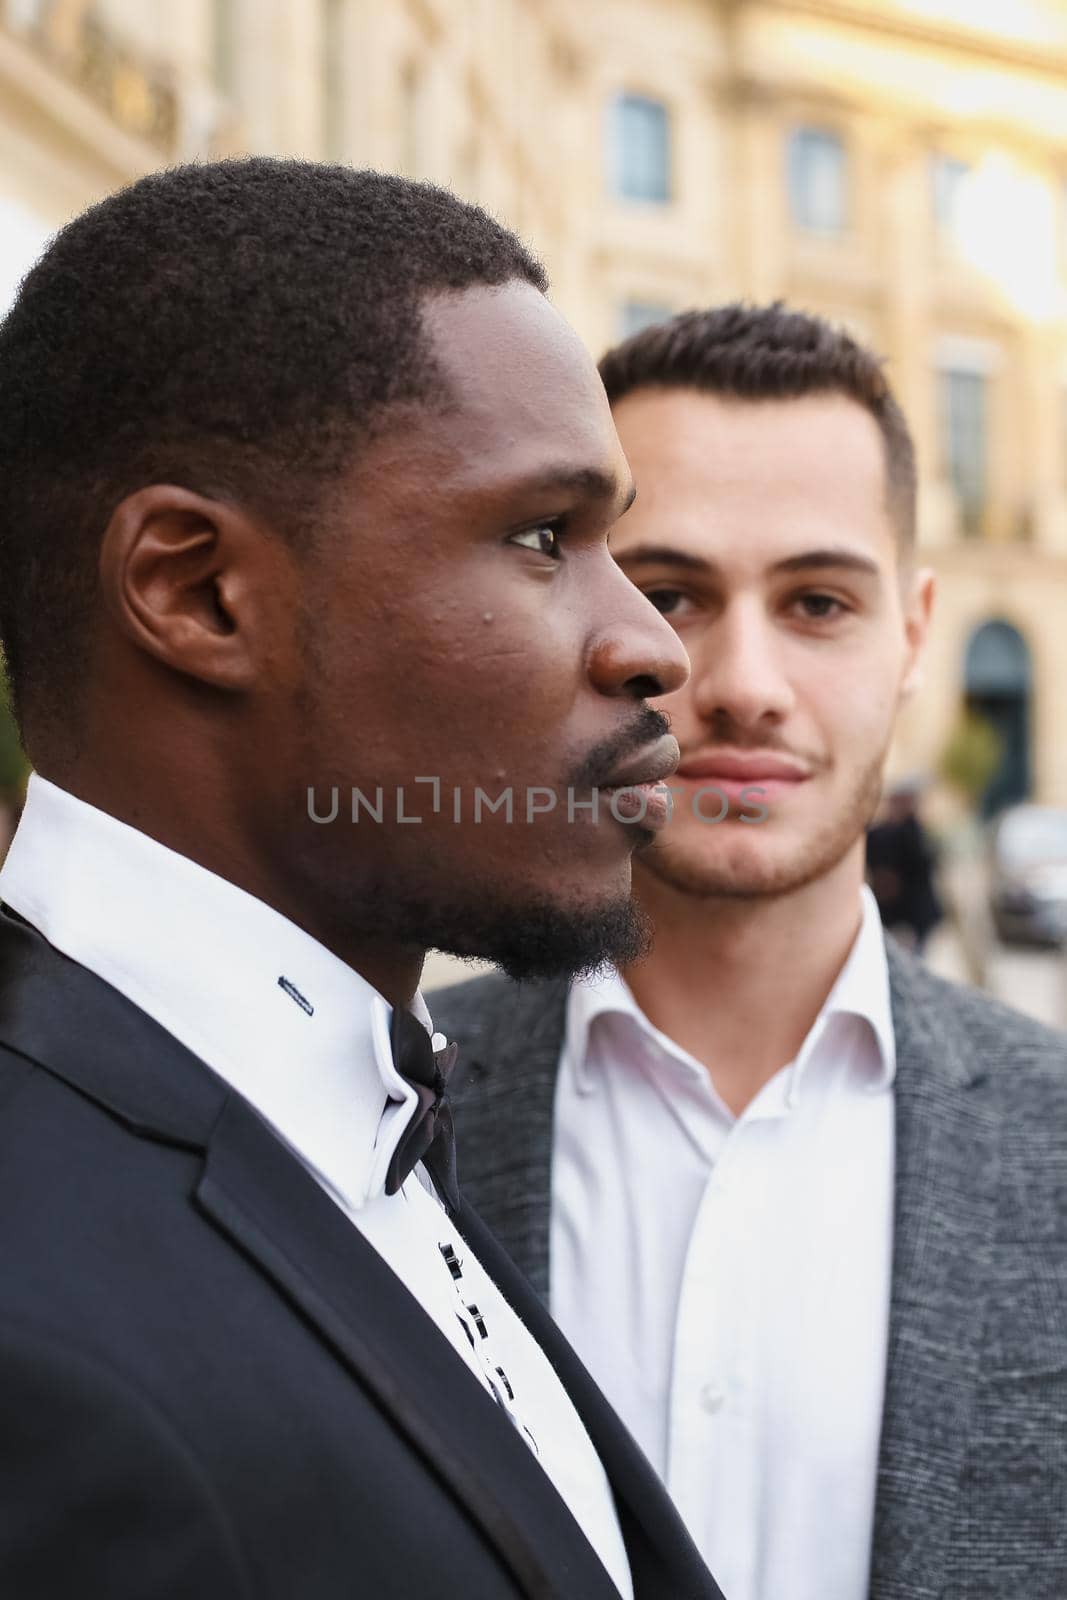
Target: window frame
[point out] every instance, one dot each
(973, 509)
(624, 104)
(802, 214)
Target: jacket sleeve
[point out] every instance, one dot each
(98, 1493)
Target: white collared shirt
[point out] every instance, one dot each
(305, 1040)
(726, 1279)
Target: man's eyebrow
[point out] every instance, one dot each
(666, 555)
(589, 482)
(850, 560)
(663, 555)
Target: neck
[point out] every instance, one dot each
(739, 983)
(210, 830)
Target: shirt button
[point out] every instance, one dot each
(711, 1398)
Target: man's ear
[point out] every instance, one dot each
(185, 578)
(919, 599)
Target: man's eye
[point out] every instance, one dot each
(666, 601)
(544, 539)
(821, 607)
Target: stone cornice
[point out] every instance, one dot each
(956, 39)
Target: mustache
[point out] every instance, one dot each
(769, 747)
(604, 758)
(722, 730)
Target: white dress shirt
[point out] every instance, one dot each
(726, 1279)
(305, 1040)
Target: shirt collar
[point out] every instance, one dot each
(860, 990)
(605, 995)
(291, 1027)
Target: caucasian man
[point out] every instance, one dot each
(800, 1205)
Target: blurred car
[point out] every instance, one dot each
(1028, 875)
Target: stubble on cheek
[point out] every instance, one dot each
(766, 859)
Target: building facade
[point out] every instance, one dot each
(897, 165)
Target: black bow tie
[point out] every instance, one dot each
(429, 1136)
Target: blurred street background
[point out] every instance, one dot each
(966, 948)
(899, 166)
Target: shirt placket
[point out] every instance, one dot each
(713, 1419)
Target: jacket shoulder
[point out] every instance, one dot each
(1025, 1056)
(978, 1065)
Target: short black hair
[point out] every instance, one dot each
(237, 327)
(771, 352)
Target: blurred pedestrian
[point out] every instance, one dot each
(901, 869)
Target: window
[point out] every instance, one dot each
(816, 175)
(964, 407)
(946, 178)
(640, 149)
(636, 315)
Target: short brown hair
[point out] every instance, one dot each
(770, 352)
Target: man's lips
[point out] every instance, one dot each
(636, 788)
(743, 767)
(651, 765)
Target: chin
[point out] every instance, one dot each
(742, 869)
(538, 936)
(585, 881)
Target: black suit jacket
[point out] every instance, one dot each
(212, 1386)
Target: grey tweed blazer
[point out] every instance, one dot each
(972, 1473)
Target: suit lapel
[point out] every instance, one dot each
(276, 1213)
(945, 1204)
(79, 1029)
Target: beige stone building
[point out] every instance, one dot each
(900, 165)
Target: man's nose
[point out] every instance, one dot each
(738, 674)
(638, 655)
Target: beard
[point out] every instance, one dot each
(527, 938)
(742, 869)
(527, 933)
(434, 904)
(540, 939)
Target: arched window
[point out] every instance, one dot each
(997, 680)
